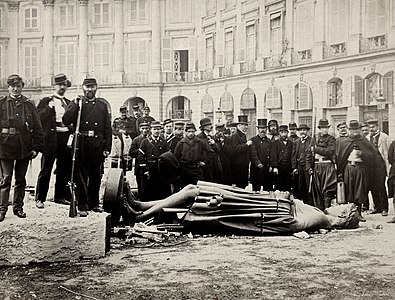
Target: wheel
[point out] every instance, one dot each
(112, 200)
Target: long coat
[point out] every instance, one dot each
(22, 117)
(239, 154)
(383, 145)
(260, 154)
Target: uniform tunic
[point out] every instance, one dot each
(260, 154)
(134, 152)
(299, 161)
(280, 158)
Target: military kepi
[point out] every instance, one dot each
(14, 79)
(89, 81)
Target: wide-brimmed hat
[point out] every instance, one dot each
(242, 119)
(261, 123)
(89, 81)
(303, 126)
(231, 124)
(323, 123)
(220, 125)
(283, 128)
(14, 79)
(189, 125)
(292, 126)
(61, 78)
(205, 122)
(354, 124)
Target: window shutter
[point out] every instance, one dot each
(358, 91)
(201, 53)
(388, 87)
(347, 91)
(269, 98)
(276, 97)
(220, 47)
(166, 54)
(191, 54)
(265, 36)
(241, 30)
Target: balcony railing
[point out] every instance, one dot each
(180, 114)
(173, 77)
(274, 62)
(206, 75)
(248, 66)
(335, 101)
(373, 43)
(335, 50)
(225, 71)
(299, 57)
(135, 78)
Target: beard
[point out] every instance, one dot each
(273, 131)
(90, 94)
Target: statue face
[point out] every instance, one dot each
(347, 215)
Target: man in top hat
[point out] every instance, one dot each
(239, 153)
(192, 154)
(134, 152)
(145, 118)
(260, 169)
(324, 173)
(293, 136)
(51, 110)
(154, 187)
(381, 142)
(280, 160)
(358, 163)
(300, 164)
(342, 129)
(20, 141)
(273, 130)
(94, 144)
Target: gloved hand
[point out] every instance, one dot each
(275, 171)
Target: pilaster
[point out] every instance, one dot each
(118, 42)
(48, 43)
(13, 27)
(83, 40)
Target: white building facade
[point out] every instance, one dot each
(282, 59)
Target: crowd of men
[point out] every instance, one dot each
(168, 155)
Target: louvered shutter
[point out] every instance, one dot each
(220, 47)
(192, 56)
(241, 38)
(388, 87)
(166, 54)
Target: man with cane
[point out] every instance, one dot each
(94, 144)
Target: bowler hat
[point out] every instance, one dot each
(243, 119)
(142, 124)
(156, 124)
(123, 108)
(136, 107)
(190, 125)
(303, 126)
(61, 78)
(14, 79)
(372, 121)
(272, 122)
(261, 123)
(323, 123)
(204, 122)
(283, 128)
(89, 81)
(354, 124)
(341, 124)
(167, 121)
(292, 126)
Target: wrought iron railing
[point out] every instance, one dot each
(135, 78)
(373, 43)
(335, 50)
(180, 114)
(299, 57)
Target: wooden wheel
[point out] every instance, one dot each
(112, 200)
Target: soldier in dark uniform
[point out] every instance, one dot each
(324, 176)
(21, 139)
(136, 114)
(51, 110)
(239, 153)
(177, 135)
(134, 152)
(293, 136)
(299, 162)
(260, 159)
(192, 153)
(94, 144)
(280, 159)
(151, 148)
(123, 124)
(145, 118)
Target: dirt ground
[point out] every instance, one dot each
(348, 264)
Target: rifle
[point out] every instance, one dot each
(312, 146)
(72, 185)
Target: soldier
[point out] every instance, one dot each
(357, 163)
(273, 130)
(192, 154)
(145, 118)
(239, 153)
(342, 129)
(177, 135)
(365, 129)
(21, 139)
(260, 159)
(324, 173)
(134, 152)
(293, 136)
(280, 158)
(381, 142)
(151, 148)
(168, 130)
(299, 162)
(136, 114)
(94, 144)
(51, 110)
(123, 124)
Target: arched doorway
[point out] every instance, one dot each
(248, 107)
(207, 107)
(179, 108)
(132, 101)
(226, 107)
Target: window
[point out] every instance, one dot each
(67, 15)
(101, 14)
(276, 40)
(207, 106)
(2, 17)
(273, 98)
(181, 10)
(211, 7)
(335, 92)
(31, 18)
(138, 11)
(31, 62)
(308, 120)
(337, 21)
(304, 25)
(67, 59)
(209, 52)
(376, 18)
(229, 51)
(101, 57)
(226, 102)
(137, 50)
(303, 96)
(248, 99)
(179, 108)
(251, 42)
